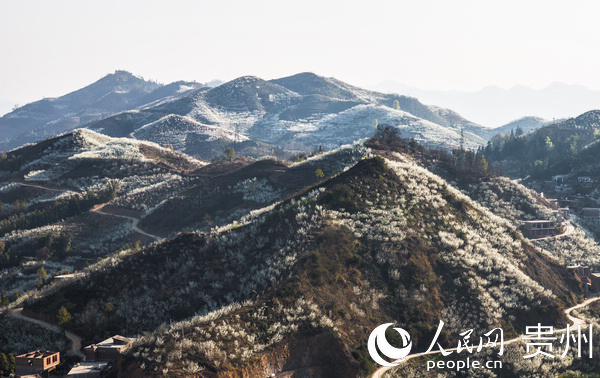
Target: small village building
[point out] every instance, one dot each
(591, 215)
(582, 271)
(539, 228)
(595, 282)
(109, 349)
(37, 362)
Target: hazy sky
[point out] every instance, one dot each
(49, 48)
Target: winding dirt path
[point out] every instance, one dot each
(74, 350)
(379, 372)
(575, 320)
(134, 225)
(98, 210)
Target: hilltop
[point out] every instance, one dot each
(112, 94)
(521, 125)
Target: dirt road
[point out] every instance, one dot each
(98, 209)
(75, 349)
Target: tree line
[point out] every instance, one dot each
(539, 153)
(7, 364)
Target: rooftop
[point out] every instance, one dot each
(38, 354)
(87, 367)
(116, 341)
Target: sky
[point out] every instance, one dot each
(50, 48)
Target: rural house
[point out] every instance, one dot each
(37, 362)
(539, 228)
(109, 349)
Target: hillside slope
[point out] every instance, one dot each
(51, 194)
(224, 196)
(384, 241)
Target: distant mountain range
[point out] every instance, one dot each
(301, 112)
(493, 106)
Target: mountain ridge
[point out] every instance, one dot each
(264, 111)
(113, 93)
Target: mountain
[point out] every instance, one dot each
(320, 270)
(494, 106)
(67, 200)
(183, 133)
(354, 124)
(111, 94)
(57, 160)
(170, 92)
(248, 94)
(274, 267)
(300, 112)
(310, 84)
(176, 130)
(525, 124)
